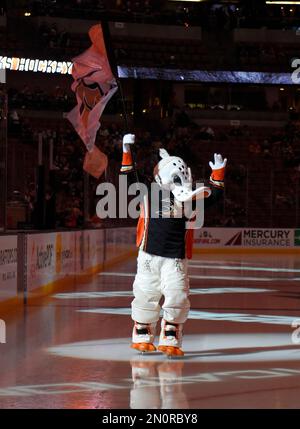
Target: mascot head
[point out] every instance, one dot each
(171, 172)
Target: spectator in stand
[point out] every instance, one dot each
(64, 38)
(206, 133)
(266, 149)
(254, 147)
(74, 215)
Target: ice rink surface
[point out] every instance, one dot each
(71, 349)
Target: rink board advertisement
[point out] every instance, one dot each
(120, 240)
(245, 238)
(58, 255)
(8, 266)
(50, 257)
(79, 251)
(93, 248)
(297, 237)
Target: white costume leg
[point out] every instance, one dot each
(175, 288)
(146, 289)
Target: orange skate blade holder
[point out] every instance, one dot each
(171, 351)
(143, 347)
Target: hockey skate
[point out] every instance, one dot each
(170, 339)
(143, 337)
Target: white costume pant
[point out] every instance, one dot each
(156, 277)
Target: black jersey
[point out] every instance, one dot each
(161, 229)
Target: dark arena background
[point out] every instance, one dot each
(193, 77)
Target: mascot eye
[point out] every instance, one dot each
(177, 180)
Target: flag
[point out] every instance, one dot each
(95, 162)
(94, 85)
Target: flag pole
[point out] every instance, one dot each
(123, 105)
(114, 69)
(133, 154)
